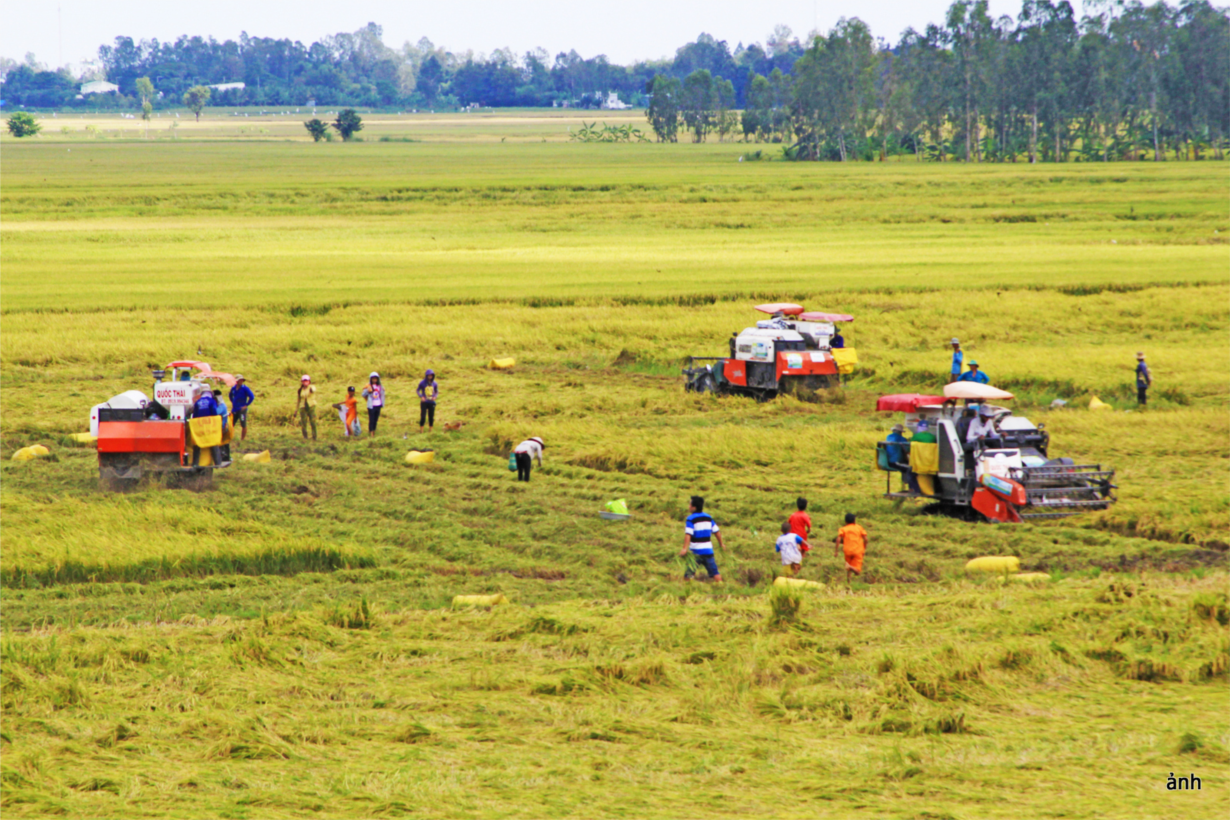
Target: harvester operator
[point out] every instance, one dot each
(982, 429)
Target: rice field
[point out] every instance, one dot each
(283, 645)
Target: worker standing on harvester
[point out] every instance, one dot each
(1144, 380)
(957, 358)
(241, 399)
(305, 405)
(205, 406)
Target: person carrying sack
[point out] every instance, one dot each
(305, 405)
(428, 391)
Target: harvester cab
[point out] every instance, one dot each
(1006, 475)
(138, 435)
(791, 352)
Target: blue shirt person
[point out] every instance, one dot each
(220, 408)
(204, 406)
(241, 399)
(957, 358)
(896, 453)
(1144, 380)
(699, 531)
(837, 341)
(974, 375)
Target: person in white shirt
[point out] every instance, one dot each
(982, 429)
(525, 453)
(790, 546)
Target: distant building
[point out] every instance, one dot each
(98, 87)
(613, 103)
(229, 86)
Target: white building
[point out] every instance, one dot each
(98, 87)
(229, 86)
(613, 103)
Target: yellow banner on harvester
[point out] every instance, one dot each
(205, 431)
(924, 457)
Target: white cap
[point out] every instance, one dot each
(373, 375)
(239, 377)
(306, 378)
(955, 340)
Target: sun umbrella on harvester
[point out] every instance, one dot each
(974, 391)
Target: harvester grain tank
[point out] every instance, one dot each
(138, 435)
(791, 352)
(1007, 478)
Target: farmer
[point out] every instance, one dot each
(374, 393)
(852, 541)
(204, 406)
(922, 433)
(791, 546)
(427, 392)
(241, 399)
(525, 453)
(348, 410)
(305, 405)
(699, 531)
(1144, 380)
(837, 341)
(957, 358)
(982, 429)
(221, 408)
(974, 375)
(897, 457)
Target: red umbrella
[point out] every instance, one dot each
(907, 402)
(784, 308)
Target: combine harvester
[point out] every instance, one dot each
(788, 353)
(138, 436)
(1009, 479)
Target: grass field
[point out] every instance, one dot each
(282, 645)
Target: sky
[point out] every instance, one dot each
(61, 32)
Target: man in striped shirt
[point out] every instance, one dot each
(699, 531)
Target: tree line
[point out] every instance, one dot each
(1121, 81)
(1046, 86)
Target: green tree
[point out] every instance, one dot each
(145, 90)
(698, 103)
(348, 123)
(22, 124)
(317, 129)
(834, 91)
(196, 98)
(663, 111)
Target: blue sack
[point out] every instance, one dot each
(512, 462)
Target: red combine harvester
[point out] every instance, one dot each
(792, 352)
(138, 436)
(1005, 477)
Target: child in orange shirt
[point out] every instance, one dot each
(348, 410)
(853, 541)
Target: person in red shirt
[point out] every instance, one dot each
(800, 523)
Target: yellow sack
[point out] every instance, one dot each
(479, 600)
(796, 583)
(1097, 404)
(924, 457)
(257, 458)
(420, 456)
(926, 483)
(32, 452)
(994, 563)
(205, 431)
(83, 438)
(501, 364)
(845, 358)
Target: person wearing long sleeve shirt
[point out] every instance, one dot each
(204, 406)
(974, 375)
(241, 399)
(525, 453)
(982, 429)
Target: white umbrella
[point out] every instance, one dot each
(974, 390)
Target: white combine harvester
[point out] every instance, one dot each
(137, 435)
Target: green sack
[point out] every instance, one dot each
(512, 462)
(620, 507)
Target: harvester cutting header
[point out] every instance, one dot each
(795, 351)
(983, 459)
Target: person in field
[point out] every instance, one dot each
(837, 341)
(699, 530)
(791, 546)
(1144, 380)
(374, 393)
(348, 411)
(525, 453)
(974, 375)
(305, 405)
(241, 399)
(800, 521)
(205, 405)
(957, 358)
(852, 542)
(221, 408)
(428, 391)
